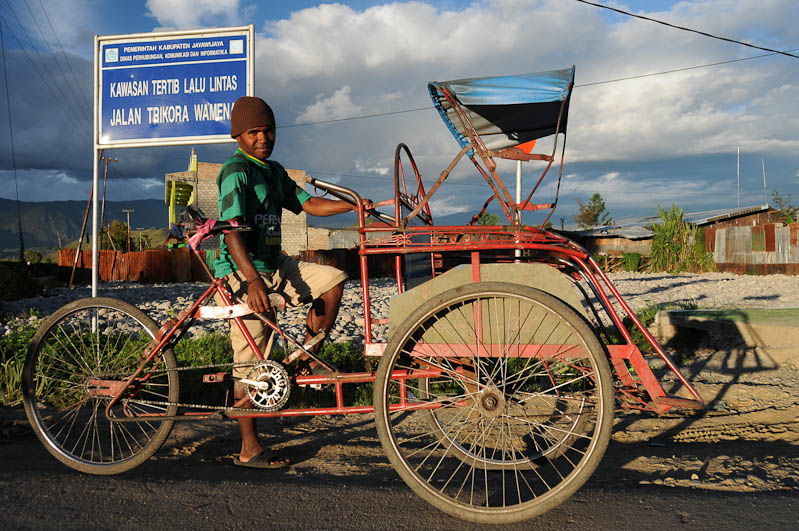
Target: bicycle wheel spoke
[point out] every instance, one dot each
(519, 411)
(84, 352)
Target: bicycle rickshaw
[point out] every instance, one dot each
(494, 395)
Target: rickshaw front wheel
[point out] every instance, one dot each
(494, 402)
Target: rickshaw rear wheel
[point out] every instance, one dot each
(494, 402)
(75, 360)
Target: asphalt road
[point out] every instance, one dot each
(199, 489)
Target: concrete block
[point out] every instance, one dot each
(774, 332)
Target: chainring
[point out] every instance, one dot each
(274, 385)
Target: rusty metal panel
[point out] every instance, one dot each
(782, 245)
(758, 238)
(720, 246)
(769, 229)
(742, 245)
(710, 240)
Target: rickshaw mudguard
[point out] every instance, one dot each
(538, 276)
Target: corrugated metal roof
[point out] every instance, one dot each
(709, 216)
(630, 232)
(635, 229)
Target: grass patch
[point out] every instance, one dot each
(13, 350)
(201, 351)
(215, 348)
(632, 261)
(647, 317)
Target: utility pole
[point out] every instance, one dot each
(518, 252)
(739, 176)
(126, 211)
(105, 178)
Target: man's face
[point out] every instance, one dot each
(258, 142)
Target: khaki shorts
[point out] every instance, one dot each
(298, 282)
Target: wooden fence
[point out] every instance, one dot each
(181, 265)
(153, 265)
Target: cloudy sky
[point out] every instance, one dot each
(661, 139)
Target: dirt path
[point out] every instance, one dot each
(747, 440)
(660, 472)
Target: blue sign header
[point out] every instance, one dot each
(171, 89)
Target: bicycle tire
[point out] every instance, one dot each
(81, 344)
(496, 461)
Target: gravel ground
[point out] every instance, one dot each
(161, 301)
(746, 441)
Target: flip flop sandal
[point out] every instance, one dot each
(304, 368)
(265, 459)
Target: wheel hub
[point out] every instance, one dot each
(491, 402)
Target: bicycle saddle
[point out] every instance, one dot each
(208, 228)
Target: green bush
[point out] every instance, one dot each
(32, 256)
(677, 246)
(207, 349)
(647, 317)
(13, 350)
(632, 261)
(15, 281)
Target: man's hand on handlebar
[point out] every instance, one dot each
(257, 296)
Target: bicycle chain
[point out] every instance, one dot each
(201, 406)
(197, 406)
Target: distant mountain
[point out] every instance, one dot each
(43, 222)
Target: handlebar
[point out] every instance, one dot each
(349, 196)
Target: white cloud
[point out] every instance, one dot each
(332, 61)
(446, 205)
(371, 167)
(187, 14)
(385, 55)
(338, 105)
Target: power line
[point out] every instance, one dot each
(663, 72)
(680, 69)
(127, 179)
(66, 60)
(41, 59)
(61, 70)
(683, 28)
(355, 117)
(78, 124)
(13, 156)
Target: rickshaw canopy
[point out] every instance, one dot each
(506, 111)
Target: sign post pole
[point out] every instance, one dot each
(95, 251)
(95, 161)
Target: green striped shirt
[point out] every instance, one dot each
(256, 191)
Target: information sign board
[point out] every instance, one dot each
(170, 88)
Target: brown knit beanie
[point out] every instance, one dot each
(249, 112)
